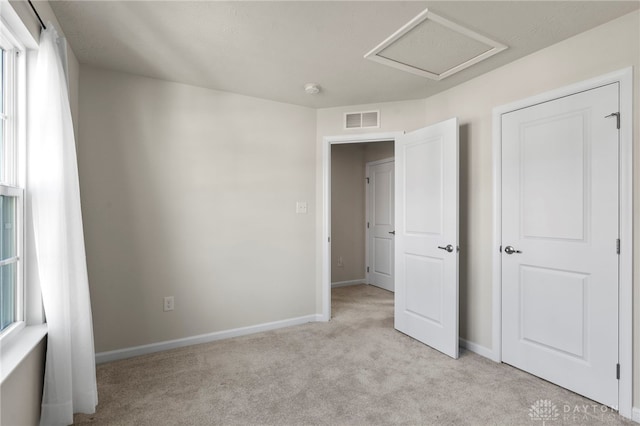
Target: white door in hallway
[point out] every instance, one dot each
(559, 235)
(381, 223)
(426, 297)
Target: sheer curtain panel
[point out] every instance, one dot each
(54, 193)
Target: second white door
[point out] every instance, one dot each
(560, 228)
(380, 223)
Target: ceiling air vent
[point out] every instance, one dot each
(362, 120)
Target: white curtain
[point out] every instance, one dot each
(54, 194)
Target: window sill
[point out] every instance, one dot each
(16, 348)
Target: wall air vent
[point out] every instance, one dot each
(362, 120)
(434, 47)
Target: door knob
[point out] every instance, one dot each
(448, 248)
(511, 250)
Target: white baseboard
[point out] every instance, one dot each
(346, 283)
(635, 416)
(476, 348)
(103, 357)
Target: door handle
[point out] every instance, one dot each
(511, 250)
(448, 248)
(392, 232)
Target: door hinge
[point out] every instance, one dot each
(617, 116)
(367, 269)
(367, 225)
(618, 246)
(367, 180)
(500, 249)
(329, 239)
(618, 371)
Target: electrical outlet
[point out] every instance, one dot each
(340, 262)
(168, 304)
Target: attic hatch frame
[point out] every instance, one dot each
(423, 16)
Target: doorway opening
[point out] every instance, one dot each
(350, 149)
(361, 211)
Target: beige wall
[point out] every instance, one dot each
(21, 392)
(347, 212)
(375, 151)
(191, 193)
(611, 47)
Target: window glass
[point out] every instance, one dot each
(7, 295)
(8, 261)
(7, 227)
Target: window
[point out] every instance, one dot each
(11, 192)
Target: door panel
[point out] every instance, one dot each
(557, 214)
(424, 297)
(560, 210)
(568, 303)
(381, 224)
(423, 209)
(426, 303)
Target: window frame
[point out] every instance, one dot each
(13, 161)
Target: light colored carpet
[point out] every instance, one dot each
(354, 370)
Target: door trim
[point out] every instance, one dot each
(625, 311)
(367, 212)
(327, 141)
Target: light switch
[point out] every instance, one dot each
(301, 207)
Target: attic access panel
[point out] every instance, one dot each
(434, 47)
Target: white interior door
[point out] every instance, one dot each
(426, 298)
(559, 235)
(381, 224)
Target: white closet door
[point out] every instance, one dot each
(559, 230)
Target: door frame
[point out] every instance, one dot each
(327, 141)
(625, 304)
(367, 211)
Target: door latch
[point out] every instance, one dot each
(617, 116)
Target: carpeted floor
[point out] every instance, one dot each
(354, 370)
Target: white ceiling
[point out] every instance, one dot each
(271, 49)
